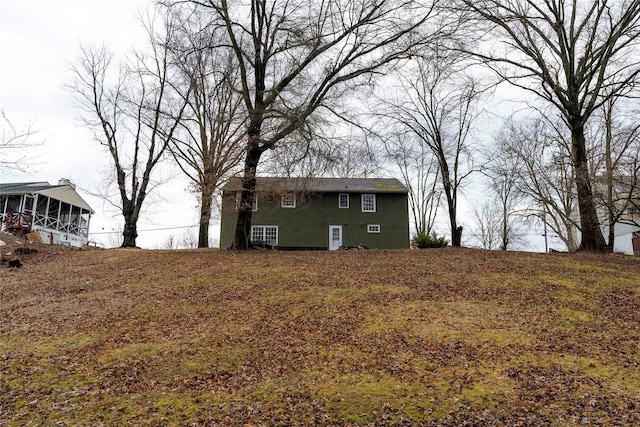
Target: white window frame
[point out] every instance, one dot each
(346, 197)
(362, 202)
(288, 201)
(373, 228)
(259, 234)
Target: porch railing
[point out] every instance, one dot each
(17, 223)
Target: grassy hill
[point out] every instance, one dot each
(208, 337)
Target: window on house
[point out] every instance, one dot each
(265, 234)
(288, 201)
(343, 201)
(368, 203)
(373, 228)
(254, 205)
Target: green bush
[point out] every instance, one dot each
(422, 241)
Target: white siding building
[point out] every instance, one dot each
(56, 212)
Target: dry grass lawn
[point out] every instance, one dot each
(435, 337)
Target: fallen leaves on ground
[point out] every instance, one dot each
(423, 337)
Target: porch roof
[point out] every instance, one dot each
(63, 192)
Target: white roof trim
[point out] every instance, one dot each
(68, 195)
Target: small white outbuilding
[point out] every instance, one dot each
(625, 234)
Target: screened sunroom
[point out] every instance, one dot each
(56, 213)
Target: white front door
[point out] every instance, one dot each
(335, 237)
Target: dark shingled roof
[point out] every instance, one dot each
(25, 187)
(327, 185)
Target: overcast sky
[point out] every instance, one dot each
(39, 40)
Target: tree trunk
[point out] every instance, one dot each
(609, 172)
(242, 237)
(206, 199)
(612, 227)
(592, 237)
(456, 238)
(456, 232)
(130, 233)
(505, 228)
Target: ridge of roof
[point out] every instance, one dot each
(24, 187)
(345, 185)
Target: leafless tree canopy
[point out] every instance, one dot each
(437, 105)
(537, 152)
(295, 57)
(208, 145)
(134, 113)
(419, 171)
(16, 145)
(497, 218)
(574, 55)
(490, 229)
(350, 156)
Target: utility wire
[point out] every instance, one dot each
(149, 229)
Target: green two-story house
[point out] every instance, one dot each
(321, 213)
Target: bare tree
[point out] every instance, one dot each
(134, 115)
(499, 217)
(544, 176)
(419, 170)
(616, 166)
(438, 106)
(323, 155)
(16, 144)
(295, 57)
(573, 54)
(188, 240)
(304, 153)
(354, 159)
(488, 230)
(170, 242)
(207, 146)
